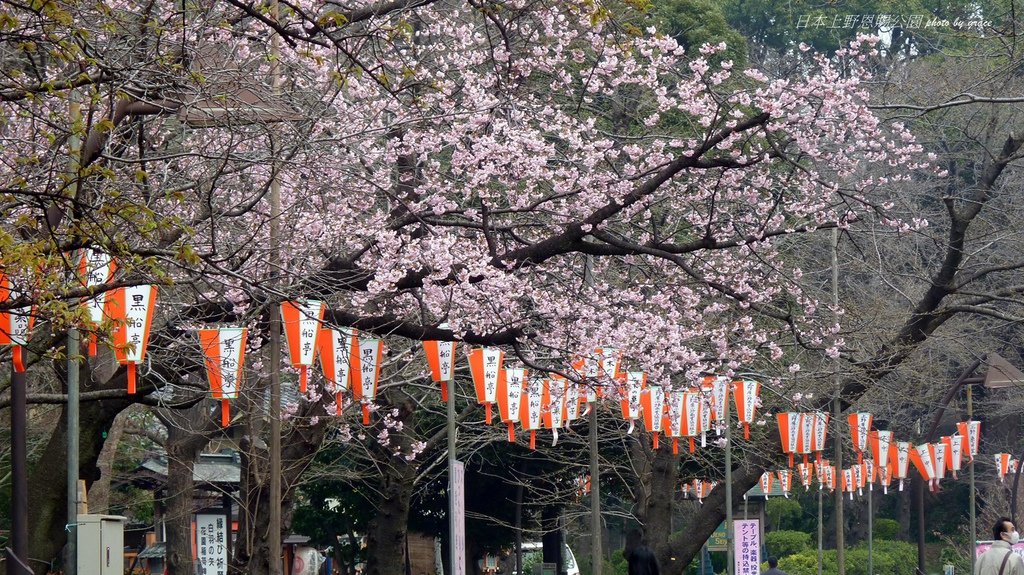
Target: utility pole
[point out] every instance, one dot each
(595, 497)
(71, 553)
(970, 475)
(453, 523)
(19, 475)
(729, 552)
(274, 536)
(838, 412)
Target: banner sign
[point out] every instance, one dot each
(211, 544)
(747, 546)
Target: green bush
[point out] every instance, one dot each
(783, 513)
(890, 557)
(886, 529)
(785, 543)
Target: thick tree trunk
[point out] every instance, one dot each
(99, 493)
(550, 517)
(657, 517)
(385, 544)
(299, 446)
(387, 532)
(686, 544)
(178, 505)
(188, 433)
(47, 492)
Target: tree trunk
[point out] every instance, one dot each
(179, 504)
(657, 517)
(550, 517)
(99, 494)
(299, 445)
(188, 433)
(687, 543)
(385, 542)
(47, 485)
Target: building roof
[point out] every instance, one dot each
(154, 551)
(216, 470)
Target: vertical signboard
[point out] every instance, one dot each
(211, 544)
(747, 542)
(459, 515)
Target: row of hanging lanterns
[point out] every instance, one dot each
(350, 361)
(130, 308)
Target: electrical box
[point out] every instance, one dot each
(101, 544)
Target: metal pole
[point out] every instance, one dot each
(451, 479)
(274, 535)
(840, 539)
(730, 567)
(970, 475)
(19, 475)
(871, 534)
(596, 553)
(821, 531)
(71, 561)
(71, 556)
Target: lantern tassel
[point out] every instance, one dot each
(693, 446)
(225, 413)
(554, 437)
(337, 404)
(366, 414)
(303, 378)
(131, 378)
(444, 391)
(18, 359)
(901, 485)
(92, 345)
(632, 425)
(675, 446)
(746, 431)
(487, 413)
(860, 457)
(533, 439)
(703, 439)
(511, 432)
(791, 461)
(655, 440)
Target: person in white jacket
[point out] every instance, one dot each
(1000, 558)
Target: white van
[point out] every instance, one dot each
(532, 555)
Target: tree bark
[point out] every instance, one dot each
(178, 504)
(385, 543)
(299, 446)
(188, 433)
(47, 492)
(99, 494)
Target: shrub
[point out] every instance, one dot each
(890, 557)
(886, 529)
(784, 543)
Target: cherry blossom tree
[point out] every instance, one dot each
(537, 176)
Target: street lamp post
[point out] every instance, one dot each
(728, 491)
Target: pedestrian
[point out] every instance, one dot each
(643, 562)
(773, 567)
(1000, 558)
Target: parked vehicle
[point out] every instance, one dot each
(533, 555)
